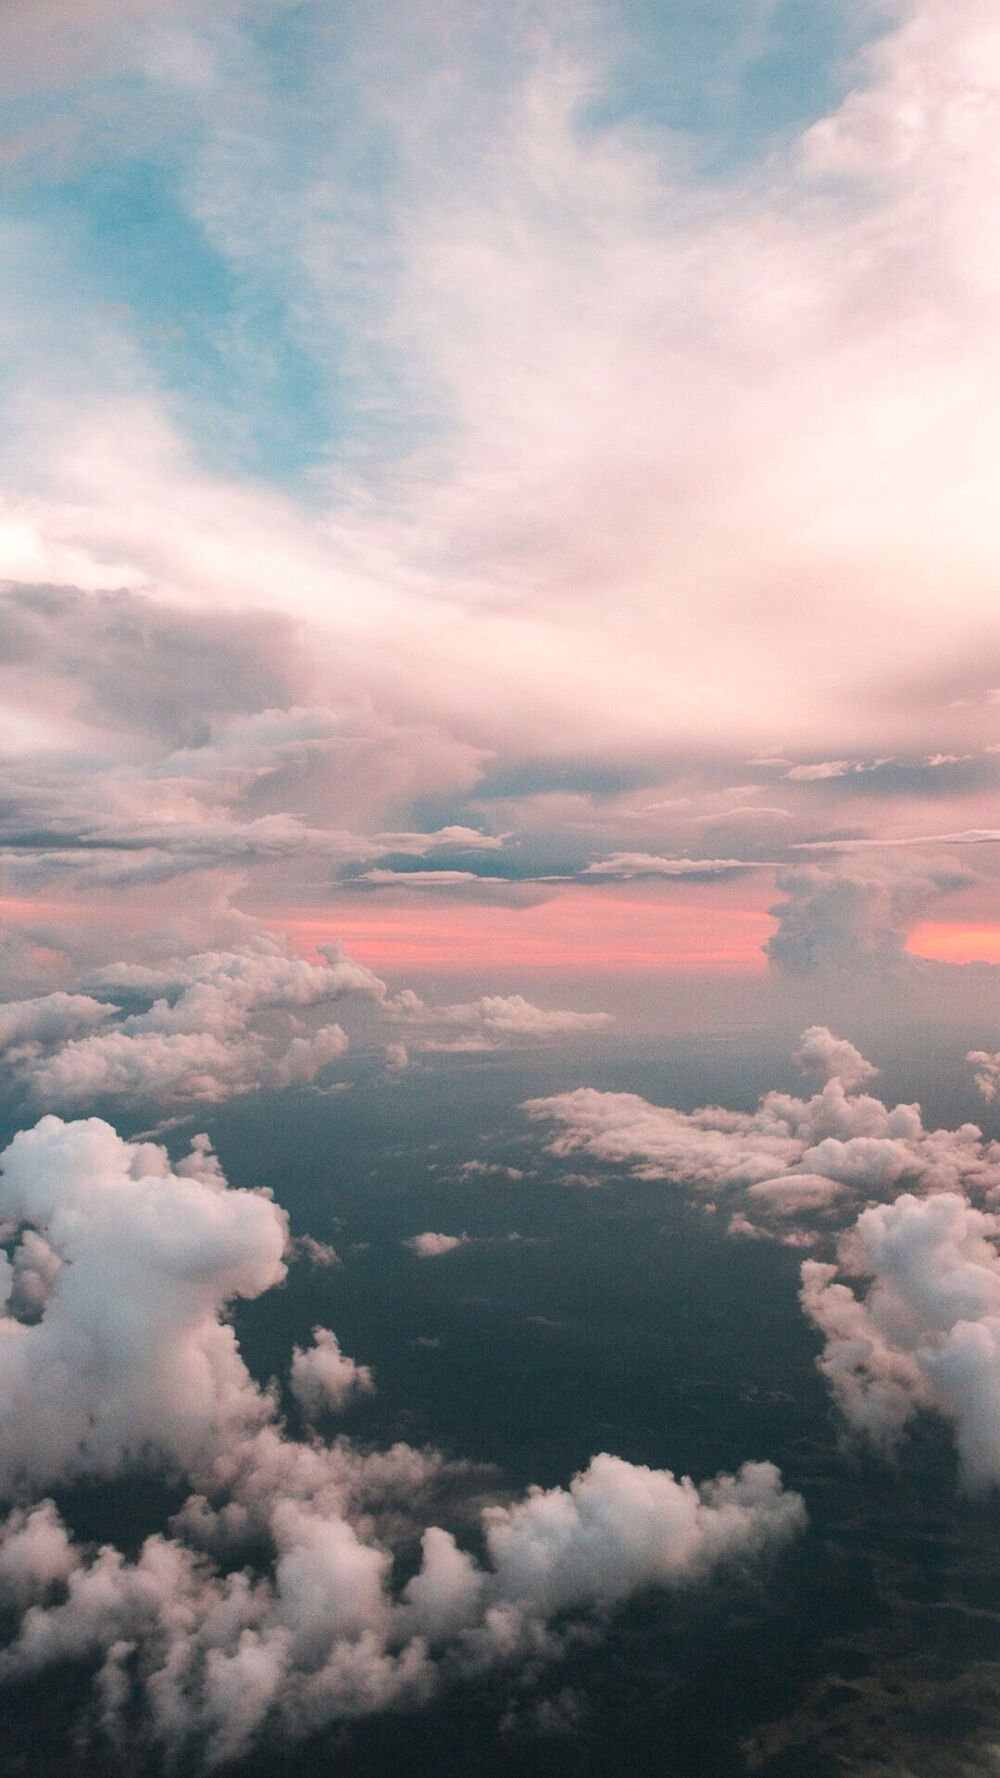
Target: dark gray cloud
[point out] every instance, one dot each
(134, 661)
(854, 917)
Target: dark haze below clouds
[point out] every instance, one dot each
(655, 1337)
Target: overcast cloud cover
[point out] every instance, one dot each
(504, 493)
(386, 344)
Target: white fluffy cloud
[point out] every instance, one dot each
(833, 1058)
(493, 1022)
(125, 1359)
(129, 1360)
(910, 1310)
(50, 1018)
(791, 1156)
(626, 865)
(430, 1245)
(323, 1378)
(216, 1024)
(924, 1333)
(987, 1072)
(620, 1527)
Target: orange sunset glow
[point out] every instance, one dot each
(955, 944)
(577, 930)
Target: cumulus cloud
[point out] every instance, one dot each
(923, 1333)
(35, 1556)
(158, 1067)
(323, 1378)
(626, 865)
(706, 1148)
(621, 1527)
(987, 1072)
(430, 1245)
(267, 1606)
(49, 1018)
(790, 1157)
(492, 1022)
(218, 1023)
(833, 1058)
(791, 1193)
(129, 1360)
(318, 1253)
(910, 1307)
(852, 919)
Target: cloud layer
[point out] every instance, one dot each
(924, 1333)
(218, 1024)
(516, 599)
(267, 1607)
(909, 1304)
(792, 1168)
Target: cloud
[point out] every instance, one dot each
(493, 1022)
(323, 1379)
(35, 1556)
(240, 760)
(360, 605)
(215, 1025)
(976, 836)
(706, 1148)
(218, 1023)
(50, 1017)
(129, 1361)
(318, 1253)
(924, 1334)
(791, 1193)
(987, 1073)
(621, 1527)
(823, 769)
(910, 1309)
(833, 1058)
(132, 662)
(805, 1159)
(837, 920)
(152, 1067)
(455, 838)
(431, 1246)
(382, 878)
(267, 1609)
(626, 865)
(147, 743)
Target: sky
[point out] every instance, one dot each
(498, 568)
(467, 458)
